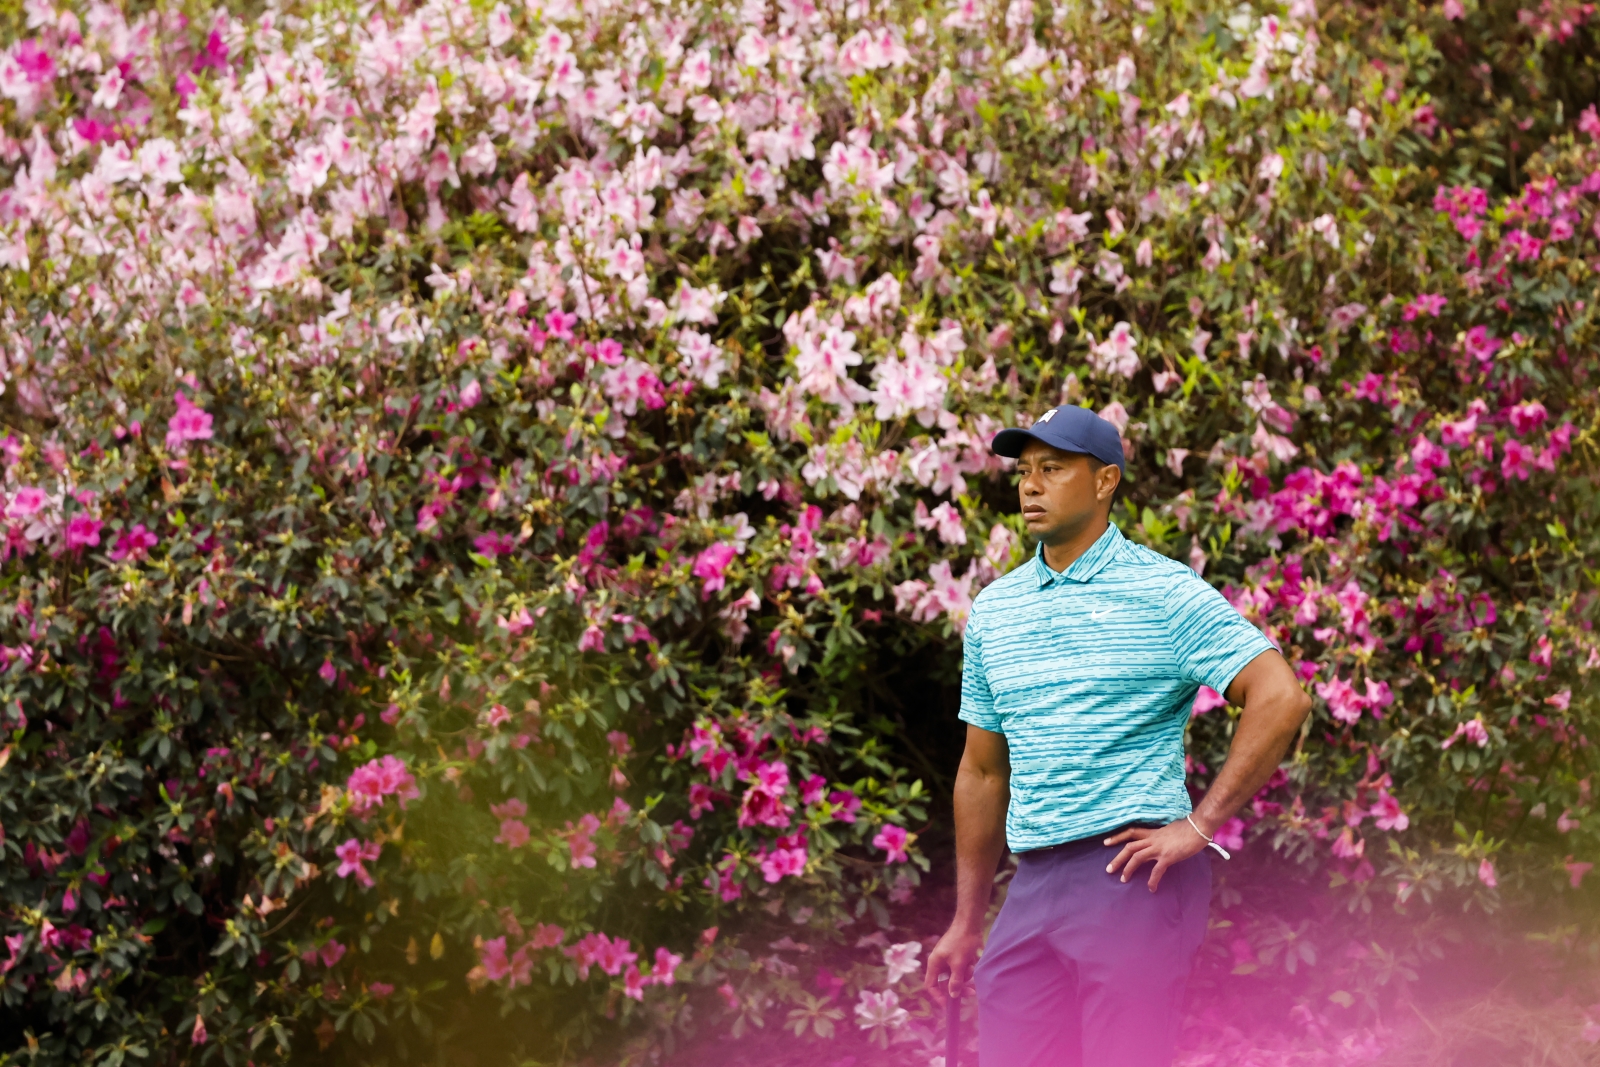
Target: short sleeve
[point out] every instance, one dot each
(977, 702)
(1212, 641)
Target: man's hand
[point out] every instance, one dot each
(956, 954)
(1172, 843)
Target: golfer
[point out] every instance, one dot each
(1080, 668)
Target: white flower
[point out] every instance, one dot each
(901, 959)
(1117, 354)
(881, 1009)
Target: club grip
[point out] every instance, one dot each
(952, 1027)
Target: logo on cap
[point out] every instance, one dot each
(1047, 416)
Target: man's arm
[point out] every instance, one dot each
(1274, 707)
(982, 791)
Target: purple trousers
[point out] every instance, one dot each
(1084, 970)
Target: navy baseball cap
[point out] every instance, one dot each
(1071, 429)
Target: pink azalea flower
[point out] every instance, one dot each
(492, 958)
(782, 862)
(1576, 871)
(1480, 345)
(1518, 460)
(1206, 699)
(331, 953)
(82, 532)
(353, 855)
(845, 805)
(813, 789)
(1344, 702)
(1527, 417)
(373, 782)
(1471, 730)
(1543, 652)
(546, 935)
(513, 833)
(133, 544)
(710, 565)
(892, 839)
(1386, 811)
(381, 990)
(1347, 846)
(633, 983)
(1486, 874)
(189, 424)
(666, 967)
(1230, 835)
(511, 809)
(701, 799)
(198, 1036)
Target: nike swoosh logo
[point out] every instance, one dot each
(1098, 614)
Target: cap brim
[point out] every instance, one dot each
(1010, 443)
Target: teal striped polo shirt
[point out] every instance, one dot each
(1090, 675)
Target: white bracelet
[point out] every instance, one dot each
(1222, 851)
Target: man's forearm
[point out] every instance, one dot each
(1265, 730)
(980, 803)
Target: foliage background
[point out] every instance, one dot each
(492, 494)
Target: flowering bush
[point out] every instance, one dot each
(467, 465)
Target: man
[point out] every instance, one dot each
(1079, 671)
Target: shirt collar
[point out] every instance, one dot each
(1086, 566)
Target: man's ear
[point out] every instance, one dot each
(1106, 481)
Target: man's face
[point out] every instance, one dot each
(1061, 492)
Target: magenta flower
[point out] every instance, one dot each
(892, 839)
(611, 955)
(783, 862)
(1344, 702)
(1230, 835)
(190, 423)
(813, 789)
(511, 809)
(633, 983)
(666, 967)
(372, 782)
(1480, 345)
(701, 798)
(1471, 730)
(845, 805)
(711, 564)
(1527, 417)
(494, 544)
(580, 843)
(353, 856)
(133, 544)
(1543, 653)
(492, 958)
(26, 502)
(1386, 811)
(1575, 871)
(513, 833)
(1207, 699)
(82, 532)
(381, 990)
(546, 935)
